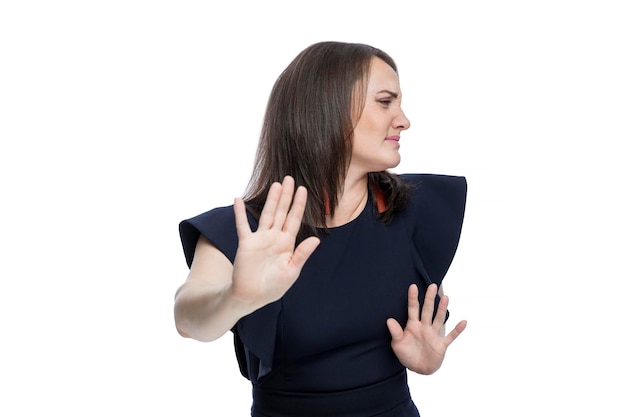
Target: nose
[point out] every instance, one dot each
(401, 122)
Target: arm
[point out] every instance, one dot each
(204, 308)
(217, 294)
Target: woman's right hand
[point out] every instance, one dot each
(266, 264)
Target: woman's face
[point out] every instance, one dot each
(376, 139)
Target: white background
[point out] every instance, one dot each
(118, 119)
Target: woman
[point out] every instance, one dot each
(311, 269)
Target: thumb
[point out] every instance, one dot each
(303, 251)
(395, 329)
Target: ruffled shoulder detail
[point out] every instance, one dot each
(435, 216)
(217, 225)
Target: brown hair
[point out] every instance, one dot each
(308, 127)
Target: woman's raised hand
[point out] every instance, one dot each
(421, 345)
(267, 262)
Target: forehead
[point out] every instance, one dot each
(382, 77)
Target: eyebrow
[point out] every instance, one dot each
(391, 93)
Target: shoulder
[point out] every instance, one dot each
(210, 217)
(217, 225)
(438, 184)
(436, 195)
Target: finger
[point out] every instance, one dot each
(395, 329)
(414, 304)
(266, 220)
(458, 329)
(241, 219)
(429, 304)
(294, 218)
(284, 202)
(440, 317)
(304, 251)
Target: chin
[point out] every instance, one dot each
(394, 163)
(379, 164)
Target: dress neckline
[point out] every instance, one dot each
(347, 225)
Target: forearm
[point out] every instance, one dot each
(205, 312)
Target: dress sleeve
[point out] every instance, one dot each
(436, 211)
(217, 225)
(255, 334)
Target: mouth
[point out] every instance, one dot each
(394, 139)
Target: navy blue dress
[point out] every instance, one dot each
(324, 349)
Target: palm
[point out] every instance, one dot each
(266, 264)
(421, 345)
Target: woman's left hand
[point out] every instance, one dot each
(422, 344)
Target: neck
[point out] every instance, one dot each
(351, 201)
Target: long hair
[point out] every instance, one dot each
(308, 128)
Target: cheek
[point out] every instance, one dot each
(367, 126)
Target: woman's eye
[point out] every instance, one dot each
(385, 102)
